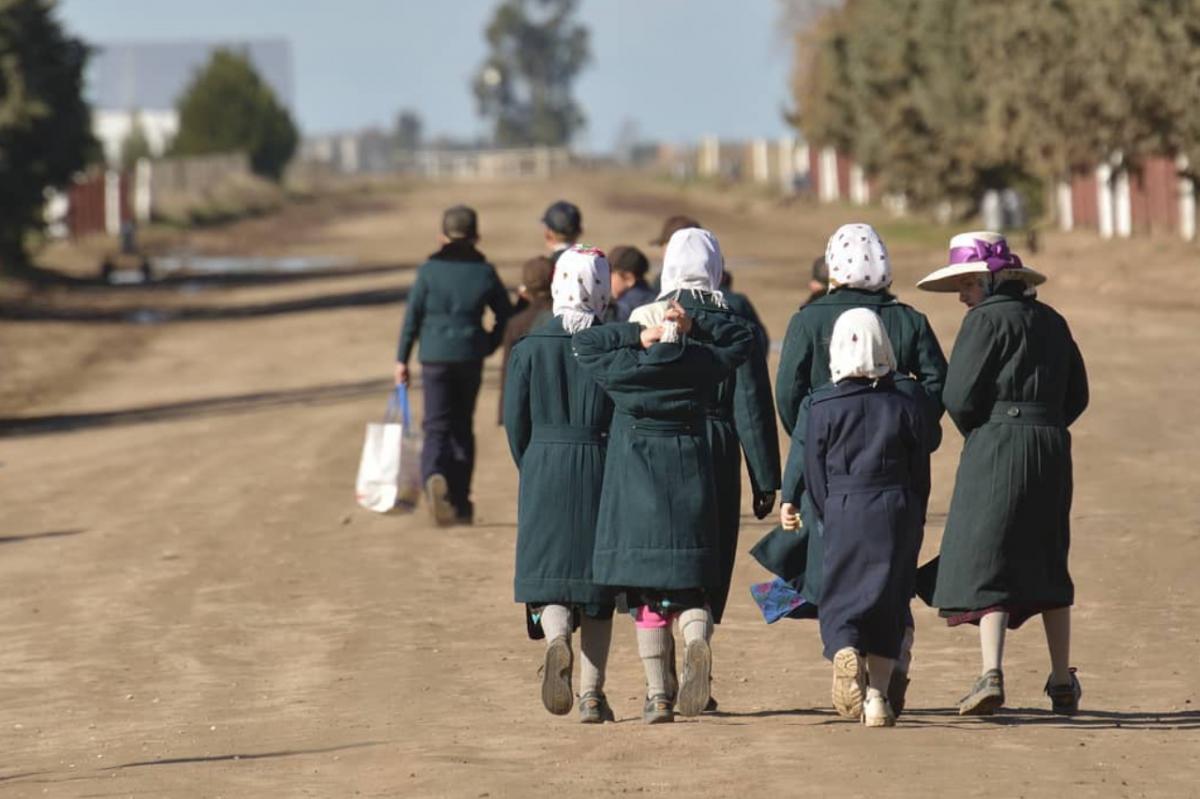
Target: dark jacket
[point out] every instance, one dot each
(1016, 382)
(446, 305)
(867, 469)
(557, 420)
(804, 359)
(636, 296)
(740, 304)
(658, 526)
(535, 314)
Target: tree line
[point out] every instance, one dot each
(944, 99)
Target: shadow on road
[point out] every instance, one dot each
(16, 539)
(174, 761)
(1085, 719)
(11, 427)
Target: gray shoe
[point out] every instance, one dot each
(849, 683)
(594, 709)
(659, 709)
(696, 685)
(437, 499)
(556, 677)
(986, 696)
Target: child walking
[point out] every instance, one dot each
(557, 420)
(867, 470)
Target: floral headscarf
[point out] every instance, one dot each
(581, 288)
(859, 346)
(857, 259)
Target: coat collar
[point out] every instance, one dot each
(849, 296)
(458, 251)
(853, 386)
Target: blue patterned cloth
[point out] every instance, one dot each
(778, 599)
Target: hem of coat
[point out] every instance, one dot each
(533, 591)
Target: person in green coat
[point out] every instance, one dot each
(1016, 383)
(557, 420)
(658, 536)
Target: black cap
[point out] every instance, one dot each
(564, 219)
(460, 222)
(672, 225)
(630, 260)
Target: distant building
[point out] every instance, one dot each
(143, 80)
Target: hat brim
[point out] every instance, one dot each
(946, 278)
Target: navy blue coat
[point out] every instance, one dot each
(866, 464)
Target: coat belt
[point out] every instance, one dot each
(860, 483)
(568, 434)
(1035, 413)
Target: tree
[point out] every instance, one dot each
(229, 107)
(524, 86)
(135, 145)
(45, 125)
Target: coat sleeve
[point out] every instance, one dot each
(816, 447)
(795, 366)
(501, 308)
(1076, 399)
(932, 365)
(793, 474)
(413, 317)
(517, 419)
(506, 348)
(918, 453)
(609, 352)
(754, 420)
(970, 378)
(729, 342)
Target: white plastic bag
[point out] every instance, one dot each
(389, 472)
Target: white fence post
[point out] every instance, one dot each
(828, 179)
(1066, 208)
(143, 197)
(1122, 206)
(1187, 201)
(112, 202)
(760, 161)
(710, 157)
(1104, 201)
(793, 163)
(860, 191)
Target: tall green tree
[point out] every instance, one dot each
(537, 49)
(228, 107)
(45, 125)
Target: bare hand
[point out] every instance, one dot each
(651, 336)
(678, 314)
(401, 374)
(788, 517)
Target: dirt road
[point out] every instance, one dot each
(191, 605)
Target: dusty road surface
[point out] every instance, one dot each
(191, 604)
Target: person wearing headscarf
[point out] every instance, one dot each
(629, 287)
(860, 275)
(740, 417)
(1015, 385)
(659, 538)
(866, 465)
(557, 418)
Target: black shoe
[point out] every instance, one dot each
(896, 691)
(594, 709)
(465, 514)
(659, 709)
(1064, 699)
(986, 696)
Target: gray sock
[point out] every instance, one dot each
(695, 624)
(595, 635)
(654, 645)
(556, 622)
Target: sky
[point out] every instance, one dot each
(679, 69)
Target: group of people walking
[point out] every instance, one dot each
(629, 422)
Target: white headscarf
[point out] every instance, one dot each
(693, 261)
(581, 287)
(857, 259)
(860, 346)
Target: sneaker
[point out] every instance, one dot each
(897, 689)
(437, 499)
(594, 709)
(556, 677)
(986, 696)
(849, 683)
(877, 712)
(695, 686)
(659, 709)
(1064, 699)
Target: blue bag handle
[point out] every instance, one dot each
(398, 402)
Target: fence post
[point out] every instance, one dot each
(760, 161)
(710, 157)
(787, 164)
(1066, 211)
(1104, 201)
(143, 197)
(1187, 200)
(112, 202)
(860, 192)
(828, 180)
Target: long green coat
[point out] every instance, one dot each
(804, 359)
(741, 417)
(557, 420)
(1016, 382)
(658, 513)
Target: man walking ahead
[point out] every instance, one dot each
(445, 311)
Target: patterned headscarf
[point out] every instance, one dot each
(693, 262)
(581, 288)
(859, 346)
(857, 259)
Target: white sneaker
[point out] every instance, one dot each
(877, 712)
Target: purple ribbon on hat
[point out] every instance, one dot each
(996, 255)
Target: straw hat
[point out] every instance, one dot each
(979, 252)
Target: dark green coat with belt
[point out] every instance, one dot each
(1016, 382)
(804, 359)
(557, 417)
(658, 524)
(446, 305)
(741, 418)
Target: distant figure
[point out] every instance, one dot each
(629, 286)
(445, 311)
(129, 237)
(818, 287)
(534, 293)
(562, 226)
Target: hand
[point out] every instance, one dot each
(678, 314)
(788, 517)
(763, 502)
(651, 336)
(401, 374)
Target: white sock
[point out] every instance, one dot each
(1058, 640)
(992, 628)
(654, 645)
(695, 624)
(556, 622)
(879, 674)
(595, 635)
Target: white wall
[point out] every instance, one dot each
(113, 127)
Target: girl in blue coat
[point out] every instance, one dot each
(867, 470)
